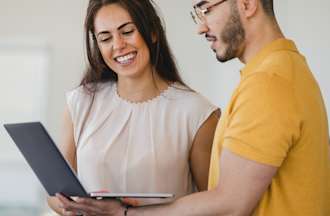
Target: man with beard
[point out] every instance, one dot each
(271, 155)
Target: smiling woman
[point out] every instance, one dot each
(133, 125)
(134, 20)
(121, 45)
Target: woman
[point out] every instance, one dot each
(133, 125)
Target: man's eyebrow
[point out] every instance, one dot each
(200, 4)
(118, 28)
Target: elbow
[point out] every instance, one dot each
(241, 213)
(236, 212)
(239, 209)
(230, 205)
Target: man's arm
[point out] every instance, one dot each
(242, 183)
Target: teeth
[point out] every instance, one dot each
(126, 58)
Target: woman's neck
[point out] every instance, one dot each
(140, 89)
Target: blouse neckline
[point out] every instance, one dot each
(145, 102)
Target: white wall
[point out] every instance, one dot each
(58, 25)
(23, 99)
(55, 26)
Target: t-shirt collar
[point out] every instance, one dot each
(276, 45)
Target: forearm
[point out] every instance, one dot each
(209, 203)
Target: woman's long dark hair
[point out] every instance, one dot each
(148, 23)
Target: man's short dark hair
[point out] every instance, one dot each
(268, 7)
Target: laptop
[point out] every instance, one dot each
(49, 165)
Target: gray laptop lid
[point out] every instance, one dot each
(45, 159)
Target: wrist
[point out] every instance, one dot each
(126, 210)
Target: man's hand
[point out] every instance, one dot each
(90, 207)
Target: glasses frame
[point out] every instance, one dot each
(198, 14)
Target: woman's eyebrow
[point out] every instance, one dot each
(118, 28)
(123, 25)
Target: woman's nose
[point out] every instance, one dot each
(119, 43)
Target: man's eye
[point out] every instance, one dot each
(206, 11)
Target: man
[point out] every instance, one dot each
(271, 155)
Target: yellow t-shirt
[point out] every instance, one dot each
(277, 116)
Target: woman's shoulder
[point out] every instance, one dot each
(189, 99)
(86, 91)
(188, 95)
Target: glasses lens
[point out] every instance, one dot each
(193, 16)
(199, 14)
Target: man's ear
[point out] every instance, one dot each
(248, 8)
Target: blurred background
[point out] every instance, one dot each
(42, 57)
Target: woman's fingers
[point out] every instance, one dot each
(68, 207)
(130, 201)
(68, 213)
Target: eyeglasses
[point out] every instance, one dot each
(198, 15)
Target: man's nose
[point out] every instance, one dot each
(202, 28)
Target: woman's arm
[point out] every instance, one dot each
(68, 149)
(200, 152)
(199, 160)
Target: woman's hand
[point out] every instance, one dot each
(90, 207)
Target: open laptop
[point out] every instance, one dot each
(54, 173)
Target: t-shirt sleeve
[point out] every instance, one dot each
(263, 120)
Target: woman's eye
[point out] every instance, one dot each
(128, 32)
(105, 39)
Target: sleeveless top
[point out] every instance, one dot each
(136, 147)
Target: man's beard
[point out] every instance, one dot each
(232, 35)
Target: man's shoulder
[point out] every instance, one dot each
(265, 78)
(266, 88)
(282, 64)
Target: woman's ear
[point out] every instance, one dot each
(154, 37)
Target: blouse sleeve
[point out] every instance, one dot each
(77, 102)
(202, 109)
